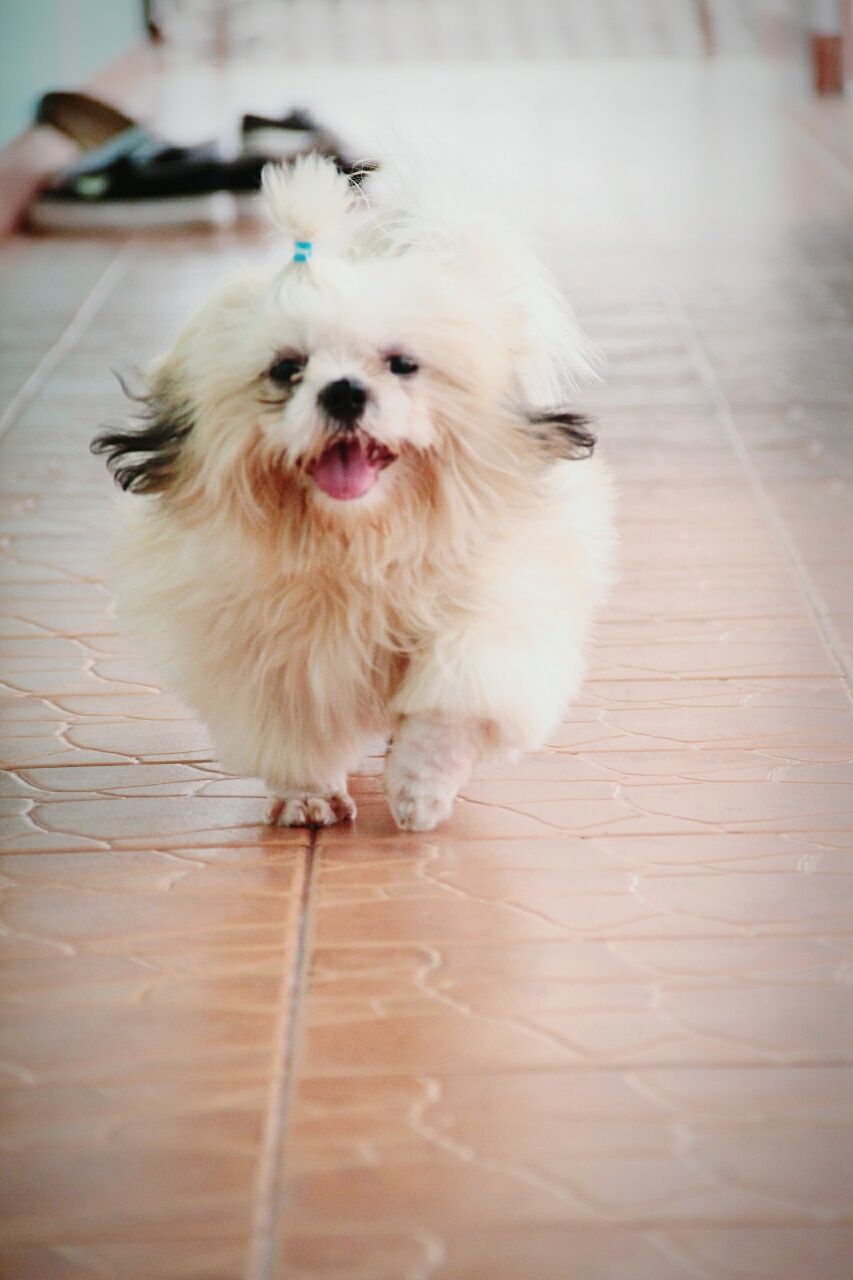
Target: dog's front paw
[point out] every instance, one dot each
(419, 805)
(307, 809)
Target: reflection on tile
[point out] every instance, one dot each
(141, 994)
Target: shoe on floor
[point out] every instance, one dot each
(285, 136)
(129, 179)
(87, 121)
(297, 133)
(136, 181)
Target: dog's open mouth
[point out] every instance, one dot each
(350, 466)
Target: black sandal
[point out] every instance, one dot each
(129, 179)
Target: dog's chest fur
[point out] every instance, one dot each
(335, 642)
(323, 647)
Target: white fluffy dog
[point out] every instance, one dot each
(366, 512)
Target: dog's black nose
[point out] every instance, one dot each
(344, 400)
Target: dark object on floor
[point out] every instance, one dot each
(299, 133)
(287, 135)
(87, 121)
(128, 178)
(138, 181)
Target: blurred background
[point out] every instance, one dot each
(618, 87)
(682, 115)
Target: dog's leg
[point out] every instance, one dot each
(430, 758)
(310, 805)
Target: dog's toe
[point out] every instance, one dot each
(275, 808)
(302, 809)
(419, 810)
(294, 813)
(343, 806)
(319, 812)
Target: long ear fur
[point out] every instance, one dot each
(144, 457)
(564, 434)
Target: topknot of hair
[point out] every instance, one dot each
(309, 198)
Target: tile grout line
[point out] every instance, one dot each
(70, 336)
(263, 1260)
(810, 594)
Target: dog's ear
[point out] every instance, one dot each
(144, 457)
(563, 434)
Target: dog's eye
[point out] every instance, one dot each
(286, 370)
(402, 365)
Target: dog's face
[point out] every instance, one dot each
(352, 382)
(345, 387)
(356, 383)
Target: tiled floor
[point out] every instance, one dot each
(600, 1026)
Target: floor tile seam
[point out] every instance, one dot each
(161, 848)
(253, 842)
(219, 776)
(263, 1262)
(540, 1070)
(605, 939)
(527, 1222)
(669, 677)
(757, 748)
(616, 1220)
(659, 677)
(629, 1067)
(760, 742)
(110, 764)
(811, 594)
(83, 316)
(688, 620)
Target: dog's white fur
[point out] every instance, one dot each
(449, 605)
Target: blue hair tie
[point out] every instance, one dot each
(302, 250)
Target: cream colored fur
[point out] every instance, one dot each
(449, 606)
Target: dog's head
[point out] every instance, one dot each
(389, 351)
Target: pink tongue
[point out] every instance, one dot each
(344, 471)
